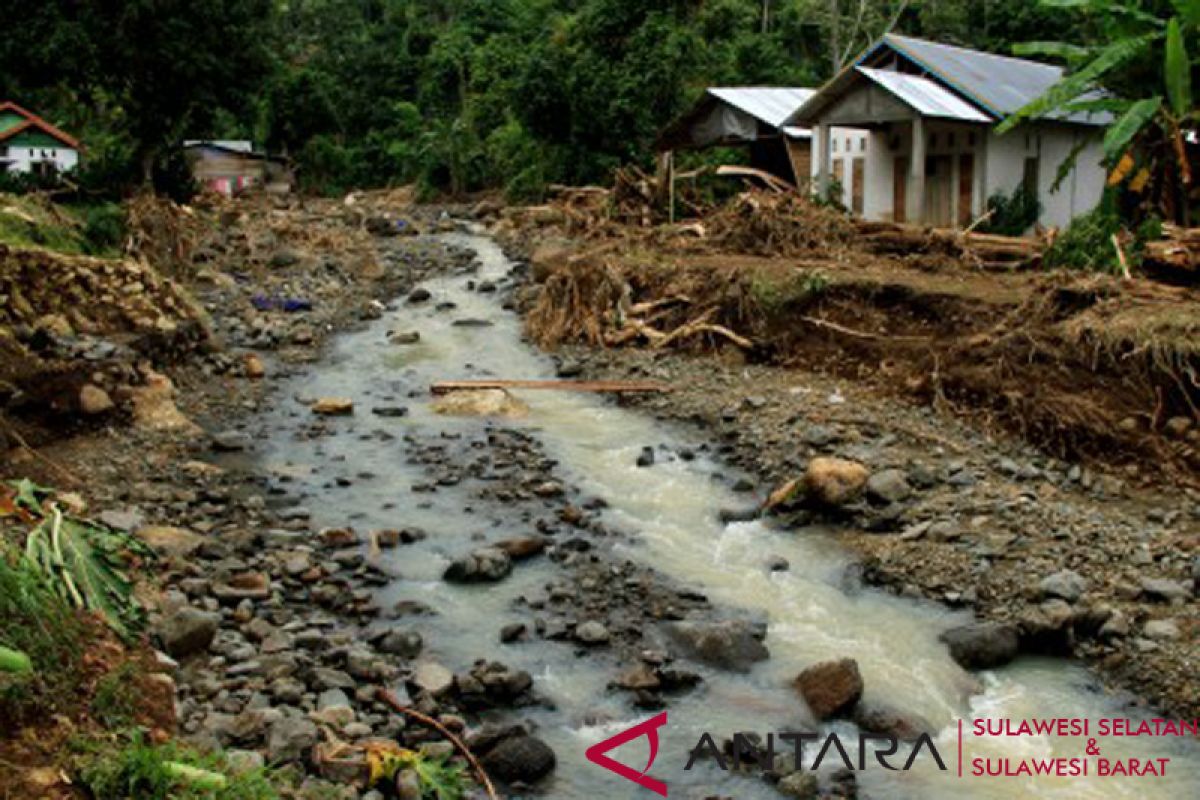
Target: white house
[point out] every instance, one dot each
(924, 146)
(751, 117)
(29, 143)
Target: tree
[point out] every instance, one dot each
(1146, 147)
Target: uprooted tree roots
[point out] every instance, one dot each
(1084, 367)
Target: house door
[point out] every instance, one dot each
(900, 189)
(858, 184)
(939, 198)
(966, 189)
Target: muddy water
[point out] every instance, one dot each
(671, 508)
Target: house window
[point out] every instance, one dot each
(835, 145)
(862, 144)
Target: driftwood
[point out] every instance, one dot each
(389, 699)
(988, 249)
(614, 387)
(1178, 253)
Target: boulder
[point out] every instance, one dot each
(167, 540)
(333, 406)
(479, 403)
(290, 739)
(432, 677)
(833, 481)
(831, 688)
(982, 645)
(520, 759)
(1065, 584)
(592, 632)
(730, 644)
(94, 401)
(1163, 590)
(799, 785)
(522, 547)
(485, 565)
(253, 367)
(188, 631)
(888, 486)
(888, 721)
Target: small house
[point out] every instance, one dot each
(230, 167)
(750, 117)
(30, 144)
(927, 151)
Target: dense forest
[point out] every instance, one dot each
(466, 94)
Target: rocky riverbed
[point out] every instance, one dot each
(326, 531)
(1072, 561)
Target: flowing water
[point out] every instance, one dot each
(671, 508)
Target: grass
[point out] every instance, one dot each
(30, 221)
(114, 702)
(36, 621)
(128, 767)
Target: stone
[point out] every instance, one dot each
(290, 739)
(94, 401)
(479, 403)
(231, 441)
(253, 367)
(522, 547)
(485, 565)
(406, 644)
(1161, 629)
(419, 295)
(646, 457)
(591, 632)
(730, 644)
(333, 406)
(432, 677)
(188, 631)
(982, 645)
(833, 481)
(640, 677)
(1065, 584)
(830, 688)
(1164, 590)
(404, 337)
(408, 785)
(520, 759)
(888, 486)
(799, 785)
(170, 541)
(889, 721)
(243, 586)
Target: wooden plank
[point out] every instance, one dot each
(640, 387)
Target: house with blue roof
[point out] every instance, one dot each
(924, 147)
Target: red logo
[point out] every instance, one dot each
(649, 729)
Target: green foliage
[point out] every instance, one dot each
(114, 703)
(133, 769)
(774, 294)
(1136, 53)
(36, 622)
(1012, 214)
(103, 228)
(1087, 244)
(84, 561)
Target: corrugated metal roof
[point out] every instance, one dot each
(925, 96)
(771, 104)
(1000, 84)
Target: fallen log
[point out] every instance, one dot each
(613, 387)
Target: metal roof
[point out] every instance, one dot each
(924, 96)
(771, 104)
(999, 84)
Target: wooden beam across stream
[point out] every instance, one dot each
(614, 387)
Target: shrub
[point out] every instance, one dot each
(103, 228)
(1087, 243)
(37, 622)
(1012, 214)
(130, 768)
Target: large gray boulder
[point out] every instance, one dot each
(982, 645)
(188, 631)
(731, 644)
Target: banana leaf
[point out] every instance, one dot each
(86, 563)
